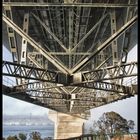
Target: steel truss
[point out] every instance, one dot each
(35, 45)
(75, 92)
(23, 71)
(105, 44)
(105, 86)
(43, 94)
(118, 71)
(61, 101)
(93, 80)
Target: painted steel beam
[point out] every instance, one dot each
(97, 31)
(50, 32)
(104, 62)
(118, 71)
(105, 86)
(23, 56)
(59, 102)
(43, 94)
(25, 97)
(43, 4)
(106, 43)
(38, 86)
(89, 32)
(38, 65)
(31, 57)
(27, 72)
(12, 39)
(24, 41)
(36, 45)
(66, 53)
(90, 105)
(11, 36)
(114, 43)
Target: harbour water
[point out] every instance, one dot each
(45, 131)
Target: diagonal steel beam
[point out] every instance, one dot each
(27, 98)
(89, 32)
(56, 63)
(39, 66)
(23, 71)
(50, 32)
(45, 4)
(105, 44)
(118, 71)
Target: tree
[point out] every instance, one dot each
(112, 122)
(93, 130)
(35, 136)
(22, 136)
(12, 138)
(131, 125)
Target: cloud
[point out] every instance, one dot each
(13, 106)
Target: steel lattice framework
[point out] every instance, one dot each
(70, 55)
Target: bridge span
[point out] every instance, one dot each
(70, 56)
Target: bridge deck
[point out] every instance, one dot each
(68, 48)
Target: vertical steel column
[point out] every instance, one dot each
(46, 64)
(70, 35)
(73, 96)
(39, 59)
(11, 38)
(23, 56)
(24, 41)
(114, 43)
(130, 12)
(11, 35)
(77, 28)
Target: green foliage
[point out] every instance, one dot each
(131, 124)
(111, 123)
(12, 138)
(22, 136)
(35, 136)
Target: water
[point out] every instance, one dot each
(45, 131)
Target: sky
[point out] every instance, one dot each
(126, 108)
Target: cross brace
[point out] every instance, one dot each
(28, 72)
(60, 102)
(118, 71)
(105, 86)
(35, 45)
(23, 71)
(105, 44)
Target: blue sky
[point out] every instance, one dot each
(126, 108)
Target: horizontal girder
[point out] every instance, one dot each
(105, 86)
(118, 71)
(61, 101)
(69, 51)
(43, 4)
(23, 71)
(93, 79)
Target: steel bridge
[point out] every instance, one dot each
(70, 55)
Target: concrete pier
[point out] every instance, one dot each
(66, 126)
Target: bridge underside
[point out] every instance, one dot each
(70, 55)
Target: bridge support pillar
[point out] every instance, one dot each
(66, 126)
